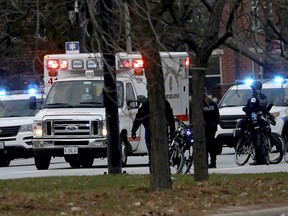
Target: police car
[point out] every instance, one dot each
(16, 120)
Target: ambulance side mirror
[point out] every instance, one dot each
(132, 104)
(135, 104)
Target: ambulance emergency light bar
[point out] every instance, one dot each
(139, 63)
(57, 64)
(62, 64)
(131, 63)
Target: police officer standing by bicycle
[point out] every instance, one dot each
(211, 117)
(257, 103)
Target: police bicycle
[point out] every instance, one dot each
(183, 141)
(256, 135)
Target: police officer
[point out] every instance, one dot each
(142, 117)
(257, 103)
(211, 117)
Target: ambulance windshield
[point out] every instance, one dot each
(79, 94)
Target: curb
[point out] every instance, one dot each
(279, 211)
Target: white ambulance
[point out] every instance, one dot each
(71, 123)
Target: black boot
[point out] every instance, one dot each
(212, 164)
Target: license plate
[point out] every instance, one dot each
(1, 145)
(70, 150)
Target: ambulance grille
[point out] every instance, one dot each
(71, 128)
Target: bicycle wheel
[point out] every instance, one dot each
(188, 158)
(176, 159)
(262, 141)
(285, 151)
(243, 150)
(276, 149)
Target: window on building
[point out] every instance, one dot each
(255, 14)
(268, 7)
(213, 77)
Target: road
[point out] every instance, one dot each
(25, 168)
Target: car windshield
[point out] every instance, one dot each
(79, 94)
(16, 108)
(239, 97)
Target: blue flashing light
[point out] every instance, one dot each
(2, 92)
(248, 81)
(32, 91)
(279, 80)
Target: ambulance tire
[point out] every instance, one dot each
(124, 153)
(87, 162)
(42, 162)
(74, 161)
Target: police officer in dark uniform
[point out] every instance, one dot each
(142, 117)
(257, 103)
(211, 117)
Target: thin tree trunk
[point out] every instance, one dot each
(147, 44)
(160, 170)
(200, 155)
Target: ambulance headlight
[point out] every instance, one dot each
(25, 128)
(103, 129)
(104, 132)
(37, 129)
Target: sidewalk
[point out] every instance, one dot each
(259, 210)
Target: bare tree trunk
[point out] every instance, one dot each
(147, 44)
(160, 170)
(199, 151)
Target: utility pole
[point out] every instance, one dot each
(127, 28)
(110, 89)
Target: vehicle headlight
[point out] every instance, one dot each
(104, 132)
(25, 128)
(103, 129)
(37, 129)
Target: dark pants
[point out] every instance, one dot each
(211, 144)
(148, 144)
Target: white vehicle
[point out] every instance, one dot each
(235, 99)
(71, 123)
(16, 126)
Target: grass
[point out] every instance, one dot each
(124, 194)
